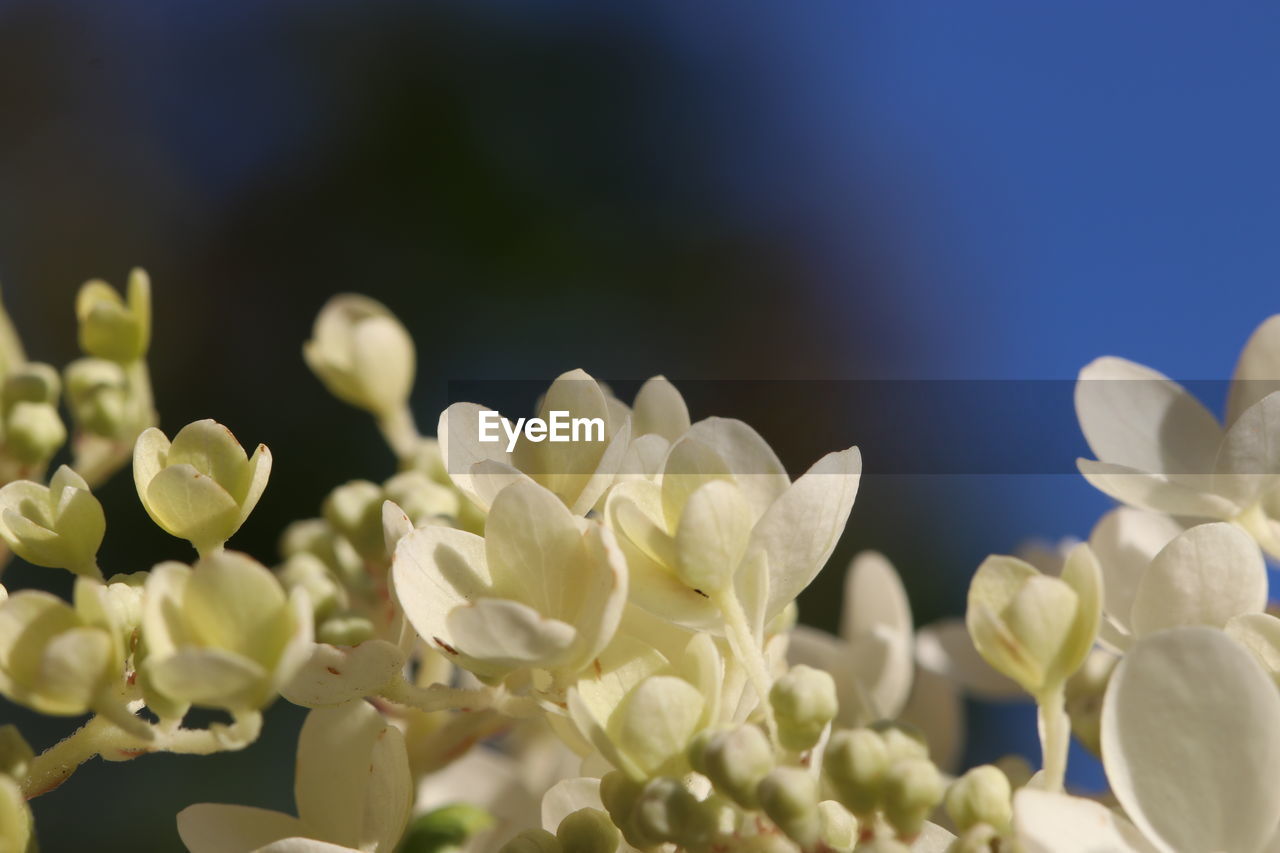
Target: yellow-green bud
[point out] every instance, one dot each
(59, 526)
(854, 764)
(344, 631)
(33, 382)
(15, 752)
(34, 432)
(980, 838)
(309, 573)
(913, 788)
(362, 354)
(804, 702)
(982, 795)
(354, 511)
(735, 761)
(97, 394)
(112, 328)
(789, 796)
(444, 829)
(839, 827)
(903, 740)
(15, 818)
(533, 841)
(668, 811)
(588, 831)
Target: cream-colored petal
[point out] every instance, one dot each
(1189, 497)
(874, 597)
(660, 409)
(211, 449)
(508, 635)
(458, 433)
(149, 454)
(1045, 822)
(690, 465)
(801, 528)
(1205, 576)
(234, 602)
(192, 506)
(1257, 373)
(656, 720)
(1125, 541)
(259, 474)
(532, 544)
(1190, 742)
(210, 678)
(217, 828)
(436, 569)
(946, 649)
(747, 456)
(1137, 417)
(712, 536)
(1260, 634)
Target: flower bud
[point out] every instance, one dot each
(913, 788)
(789, 796)
(588, 831)
(16, 825)
(735, 762)
(804, 702)
(110, 328)
(668, 811)
(222, 634)
(202, 486)
(420, 497)
(354, 511)
(316, 537)
(533, 841)
(15, 752)
(344, 631)
(903, 740)
(444, 829)
(981, 796)
(839, 827)
(59, 526)
(309, 573)
(33, 382)
(97, 394)
(854, 763)
(362, 354)
(11, 353)
(620, 793)
(1034, 628)
(34, 432)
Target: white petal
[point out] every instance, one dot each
(1205, 576)
(1257, 373)
(568, 796)
(1190, 744)
(747, 457)
(507, 635)
(533, 544)
(874, 597)
(936, 708)
(1156, 492)
(712, 535)
(933, 839)
(1248, 463)
(659, 409)
(801, 528)
(461, 448)
(1125, 541)
(1135, 416)
(217, 828)
(1047, 822)
(333, 675)
(946, 648)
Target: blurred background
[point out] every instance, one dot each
(741, 196)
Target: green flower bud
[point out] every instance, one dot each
(15, 752)
(588, 831)
(309, 573)
(33, 382)
(59, 526)
(981, 796)
(913, 788)
(620, 793)
(789, 796)
(98, 396)
(354, 511)
(839, 828)
(735, 762)
(11, 353)
(16, 825)
(804, 702)
(444, 829)
(668, 811)
(362, 354)
(314, 536)
(1035, 628)
(420, 497)
(202, 486)
(110, 328)
(345, 631)
(854, 764)
(903, 740)
(222, 634)
(533, 841)
(34, 432)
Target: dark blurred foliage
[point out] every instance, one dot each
(716, 194)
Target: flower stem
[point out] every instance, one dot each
(1055, 736)
(400, 432)
(745, 647)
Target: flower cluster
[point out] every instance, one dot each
(591, 646)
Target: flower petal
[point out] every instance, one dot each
(217, 828)
(1257, 373)
(660, 409)
(1125, 541)
(1156, 492)
(1046, 822)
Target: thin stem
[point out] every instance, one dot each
(101, 737)
(1055, 737)
(743, 643)
(400, 432)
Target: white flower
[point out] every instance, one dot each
(578, 472)
(542, 590)
(1156, 575)
(724, 515)
(362, 354)
(60, 525)
(1192, 752)
(1158, 448)
(352, 788)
